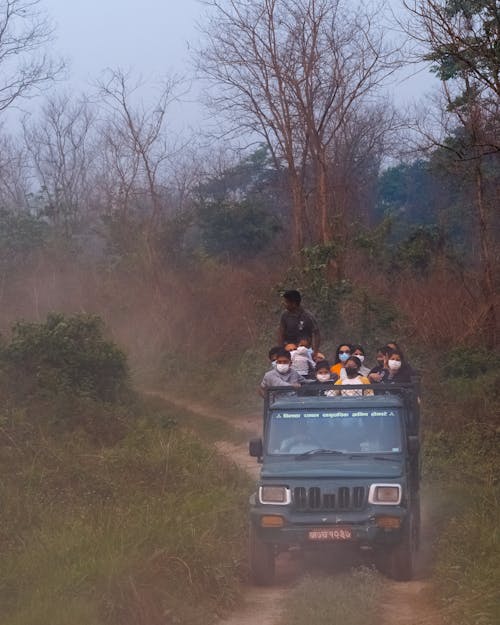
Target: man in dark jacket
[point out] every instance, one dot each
(297, 322)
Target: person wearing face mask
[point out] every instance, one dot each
(353, 376)
(273, 354)
(302, 361)
(397, 371)
(394, 346)
(282, 374)
(342, 353)
(377, 373)
(324, 376)
(359, 352)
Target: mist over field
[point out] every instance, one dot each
(137, 256)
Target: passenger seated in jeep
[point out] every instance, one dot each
(273, 354)
(352, 367)
(324, 375)
(302, 360)
(397, 371)
(376, 373)
(282, 374)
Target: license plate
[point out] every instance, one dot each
(333, 533)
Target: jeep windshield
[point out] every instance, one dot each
(334, 432)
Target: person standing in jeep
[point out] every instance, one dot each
(296, 322)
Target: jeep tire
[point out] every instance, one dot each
(401, 558)
(261, 558)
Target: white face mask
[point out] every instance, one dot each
(282, 368)
(323, 377)
(394, 364)
(360, 356)
(273, 364)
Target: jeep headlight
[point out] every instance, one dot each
(277, 495)
(385, 494)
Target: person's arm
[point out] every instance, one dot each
(263, 385)
(297, 380)
(365, 380)
(315, 342)
(281, 333)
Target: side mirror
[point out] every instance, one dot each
(413, 444)
(255, 448)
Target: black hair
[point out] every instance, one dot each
(281, 351)
(356, 361)
(293, 296)
(398, 352)
(273, 351)
(337, 359)
(322, 364)
(357, 346)
(383, 349)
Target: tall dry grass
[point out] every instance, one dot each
(205, 312)
(201, 313)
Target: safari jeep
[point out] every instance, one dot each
(341, 469)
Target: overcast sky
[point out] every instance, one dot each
(150, 37)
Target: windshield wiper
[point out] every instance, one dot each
(314, 452)
(374, 457)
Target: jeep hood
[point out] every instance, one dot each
(326, 467)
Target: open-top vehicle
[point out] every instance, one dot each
(338, 470)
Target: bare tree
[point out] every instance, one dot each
(61, 144)
(14, 175)
(293, 71)
(25, 65)
(136, 137)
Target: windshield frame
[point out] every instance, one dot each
(367, 451)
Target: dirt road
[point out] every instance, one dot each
(402, 603)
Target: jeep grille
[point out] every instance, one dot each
(315, 498)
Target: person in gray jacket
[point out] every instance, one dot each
(282, 374)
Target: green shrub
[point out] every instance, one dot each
(470, 362)
(66, 355)
(21, 236)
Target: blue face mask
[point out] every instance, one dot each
(343, 357)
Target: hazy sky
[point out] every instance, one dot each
(150, 37)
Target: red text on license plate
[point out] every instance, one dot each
(337, 533)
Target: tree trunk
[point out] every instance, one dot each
(487, 281)
(298, 210)
(323, 204)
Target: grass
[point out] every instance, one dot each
(118, 534)
(463, 469)
(347, 599)
(208, 427)
(231, 385)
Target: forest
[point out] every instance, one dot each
(132, 257)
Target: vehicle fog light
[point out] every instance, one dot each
(389, 522)
(272, 520)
